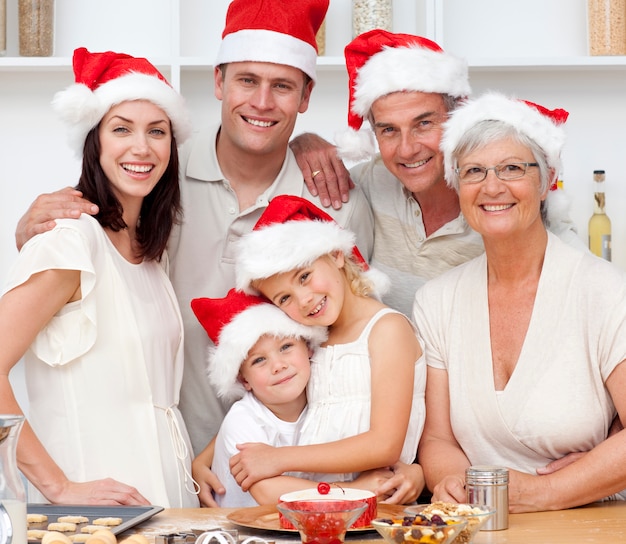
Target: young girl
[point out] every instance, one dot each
(366, 392)
(90, 308)
(260, 358)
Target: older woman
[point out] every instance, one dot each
(525, 344)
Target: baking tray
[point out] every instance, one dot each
(130, 515)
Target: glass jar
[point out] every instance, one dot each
(371, 14)
(607, 27)
(36, 27)
(3, 28)
(12, 493)
(320, 39)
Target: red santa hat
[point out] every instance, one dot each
(540, 124)
(292, 233)
(278, 31)
(380, 63)
(106, 79)
(234, 324)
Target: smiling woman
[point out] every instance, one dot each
(79, 295)
(135, 143)
(491, 197)
(531, 332)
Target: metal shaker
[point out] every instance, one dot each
(489, 485)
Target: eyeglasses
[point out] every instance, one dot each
(505, 172)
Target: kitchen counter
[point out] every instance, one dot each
(594, 524)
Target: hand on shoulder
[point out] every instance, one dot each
(42, 213)
(323, 171)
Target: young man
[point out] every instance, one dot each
(264, 75)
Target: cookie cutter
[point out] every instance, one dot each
(211, 536)
(226, 536)
(176, 538)
(187, 537)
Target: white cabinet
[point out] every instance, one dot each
(535, 49)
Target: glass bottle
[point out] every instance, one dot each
(371, 14)
(36, 27)
(599, 224)
(12, 492)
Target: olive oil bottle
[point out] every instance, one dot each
(599, 224)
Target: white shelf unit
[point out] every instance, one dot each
(536, 49)
(332, 63)
(185, 34)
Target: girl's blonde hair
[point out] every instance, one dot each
(359, 284)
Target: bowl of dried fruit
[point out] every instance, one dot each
(476, 516)
(419, 529)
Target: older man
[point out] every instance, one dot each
(405, 86)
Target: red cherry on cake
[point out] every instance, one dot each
(323, 488)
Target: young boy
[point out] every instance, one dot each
(261, 357)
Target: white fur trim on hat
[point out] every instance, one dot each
(239, 336)
(259, 45)
(412, 68)
(356, 145)
(494, 106)
(82, 109)
(281, 247)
